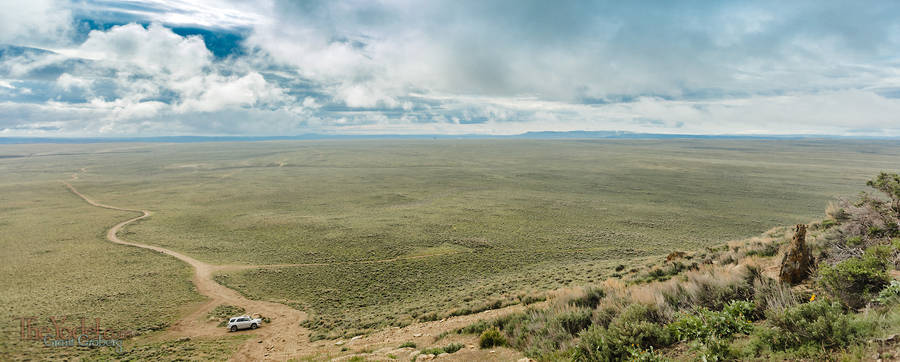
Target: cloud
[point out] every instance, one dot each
(68, 82)
(130, 75)
(223, 92)
(451, 67)
(578, 49)
(155, 49)
(35, 22)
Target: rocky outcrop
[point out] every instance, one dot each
(797, 260)
(675, 255)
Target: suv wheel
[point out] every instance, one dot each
(234, 328)
(253, 326)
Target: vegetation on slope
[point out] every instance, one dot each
(56, 263)
(729, 306)
(528, 217)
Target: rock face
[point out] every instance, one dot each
(797, 260)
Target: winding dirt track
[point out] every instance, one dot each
(284, 338)
(281, 339)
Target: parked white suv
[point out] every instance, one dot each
(243, 322)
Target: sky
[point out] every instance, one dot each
(80, 68)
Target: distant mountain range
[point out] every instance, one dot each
(315, 136)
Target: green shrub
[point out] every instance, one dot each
(739, 309)
(590, 299)
(430, 317)
(717, 296)
(510, 321)
(879, 252)
(890, 294)
(491, 337)
(594, 345)
(716, 349)
(636, 327)
(665, 273)
(766, 250)
(854, 240)
(605, 315)
(820, 323)
(638, 312)
(617, 342)
(636, 354)
(496, 304)
(712, 331)
(705, 324)
(876, 231)
(855, 281)
(531, 299)
(543, 334)
(453, 347)
(450, 348)
(224, 312)
(409, 344)
(574, 321)
(474, 328)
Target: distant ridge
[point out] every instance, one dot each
(526, 135)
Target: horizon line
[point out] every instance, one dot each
(524, 135)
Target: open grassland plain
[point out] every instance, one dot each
(57, 264)
(367, 234)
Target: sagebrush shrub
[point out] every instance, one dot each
(223, 312)
(890, 294)
(574, 321)
(713, 330)
(491, 337)
(820, 323)
(453, 347)
(474, 328)
(636, 354)
(590, 299)
(636, 327)
(856, 280)
(450, 348)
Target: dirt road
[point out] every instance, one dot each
(284, 338)
(280, 338)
